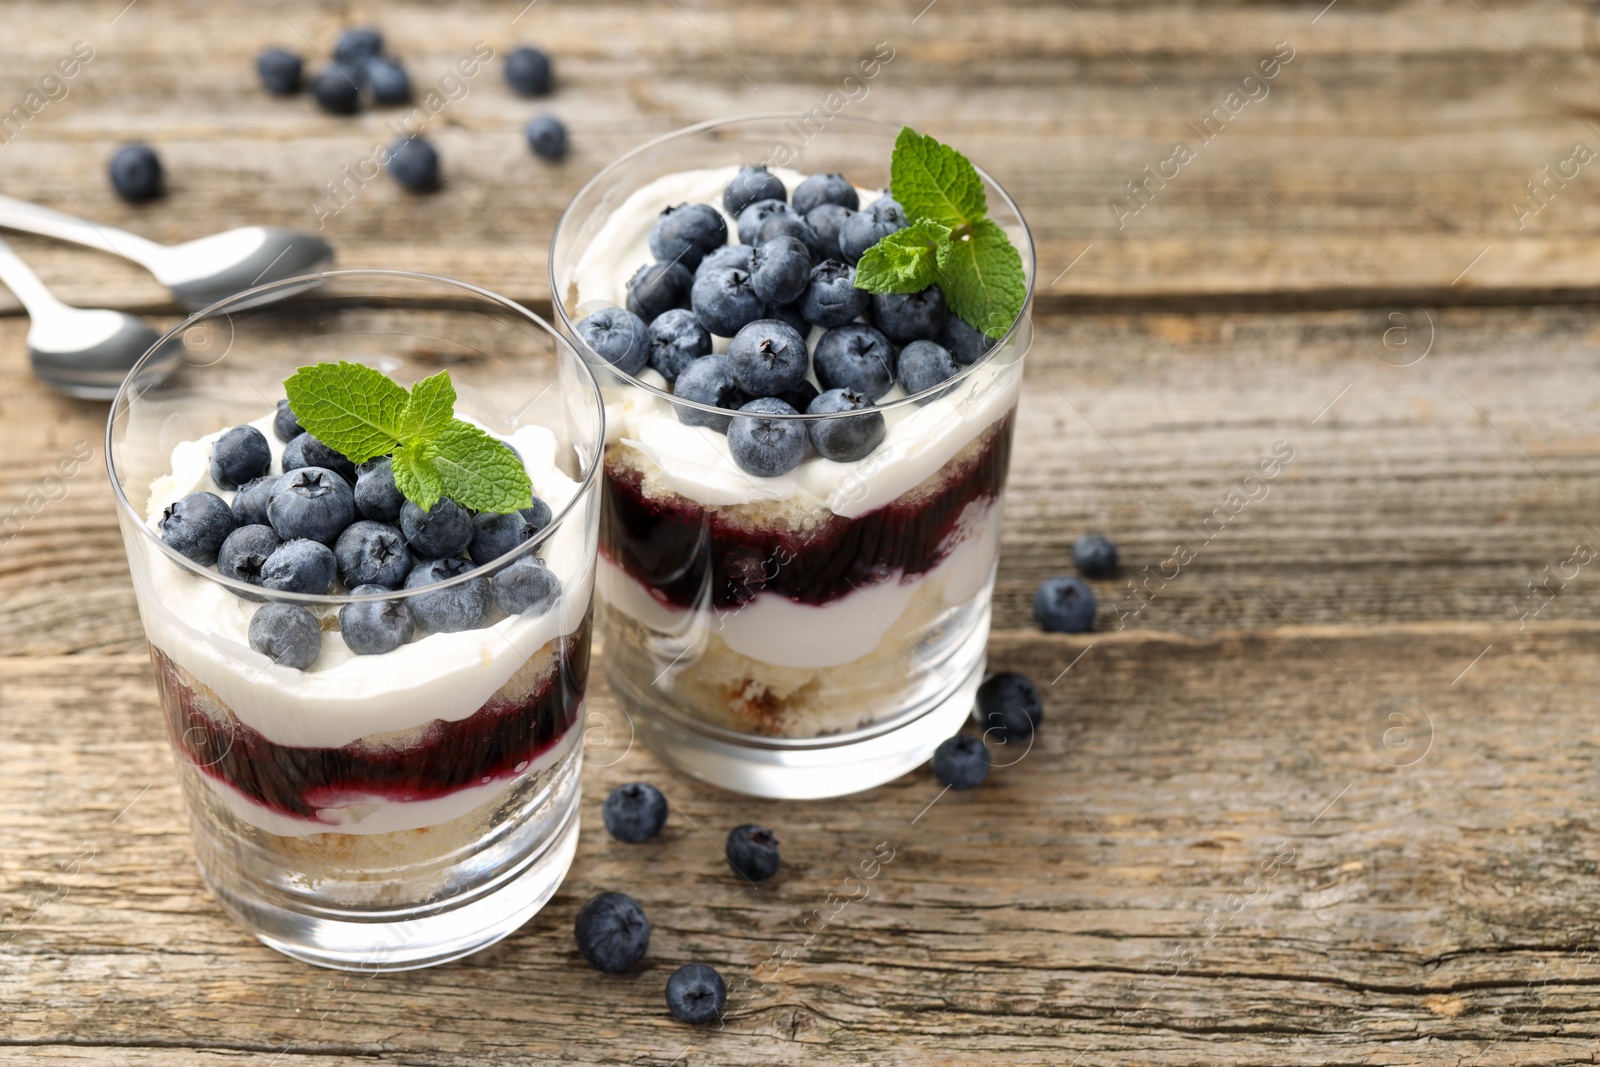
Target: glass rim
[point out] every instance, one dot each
(261, 294)
(590, 355)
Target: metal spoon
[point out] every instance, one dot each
(199, 272)
(84, 353)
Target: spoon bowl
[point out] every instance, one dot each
(86, 353)
(203, 271)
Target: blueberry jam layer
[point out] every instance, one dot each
(498, 741)
(680, 549)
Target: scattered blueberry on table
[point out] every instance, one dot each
(634, 812)
(280, 71)
(696, 994)
(414, 163)
(136, 173)
(753, 852)
(612, 932)
(547, 137)
(1094, 555)
(1009, 706)
(527, 71)
(337, 90)
(1064, 605)
(961, 762)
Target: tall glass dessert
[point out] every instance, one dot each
(803, 480)
(375, 707)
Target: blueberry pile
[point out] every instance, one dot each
(360, 74)
(323, 525)
(1065, 604)
(790, 269)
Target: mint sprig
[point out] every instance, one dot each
(361, 413)
(948, 240)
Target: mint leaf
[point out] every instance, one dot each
(981, 275)
(352, 409)
(903, 262)
(431, 408)
(416, 476)
(478, 471)
(934, 181)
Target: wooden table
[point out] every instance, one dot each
(1320, 793)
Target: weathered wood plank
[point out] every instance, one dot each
(1386, 153)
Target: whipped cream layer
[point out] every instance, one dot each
(204, 627)
(694, 461)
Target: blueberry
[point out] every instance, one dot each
(767, 447)
(961, 762)
(1094, 555)
(797, 228)
(442, 531)
(831, 297)
(855, 357)
(250, 502)
(245, 552)
(537, 515)
(196, 526)
(907, 317)
(337, 90)
(726, 256)
(450, 610)
(780, 268)
(493, 535)
(966, 345)
(924, 365)
(415, 165)
(307, 451)
(677, 339)
(1009, 704)
(528, 71)
(752, 183)
(547, 137)
(756, 213)
(845, 440)
(376, 494)
(684, 234)
(357, 45)
(753, 852)
(526, 587)
(887, 202)
(696, 994)
(866, 228)
(285, 424)
(822, 189)
(373, 627)
(280, 71)
(619, 337)
(725, 302)
(136, 173)
(287, 634)
(801, 396)
(826, 221)
(300, 566)
(238, 456)
(372, 553)
(388, 81)
(768, 357)
(634, 812)
(612, 932)
(708, 380)
(657, 288)
(1064, 605)
(311, 502)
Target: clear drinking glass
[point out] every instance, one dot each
(375, 812)
(821, 632)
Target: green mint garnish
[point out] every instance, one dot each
(361, 413)
(948, 240)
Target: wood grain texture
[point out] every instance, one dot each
(1222, 849)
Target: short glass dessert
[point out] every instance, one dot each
(794, 596)
(375, 710)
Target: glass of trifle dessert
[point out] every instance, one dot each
(809, 336)
(362, 529)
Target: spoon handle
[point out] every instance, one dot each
(31, 218)
(20, 279)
